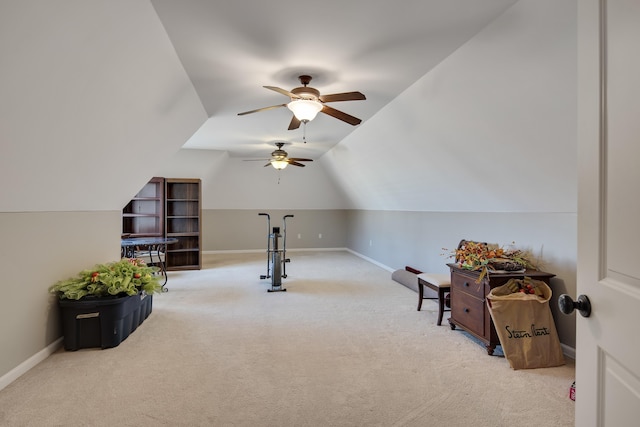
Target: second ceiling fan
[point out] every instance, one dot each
(306, 102)
(280, 158)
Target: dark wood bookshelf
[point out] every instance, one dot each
(183, 222)
(143, 216)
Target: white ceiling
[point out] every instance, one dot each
(231, 48)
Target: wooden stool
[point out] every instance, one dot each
(441, 283)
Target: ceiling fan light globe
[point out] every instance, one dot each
(305, 110)
(279, 164)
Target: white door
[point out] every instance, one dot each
(608, 342)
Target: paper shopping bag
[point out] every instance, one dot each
(525, 325)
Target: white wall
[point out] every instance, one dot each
(93, 94)
(483, 147)
(231, 183)
(93, 97)
(490, 129)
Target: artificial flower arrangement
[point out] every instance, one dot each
(129, 276)
(487, 258)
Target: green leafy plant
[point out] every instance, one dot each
(129, 276)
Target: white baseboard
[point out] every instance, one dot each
(240, 251)
(251, 251)
(372, 261)
(254, 251)
(22, 368)
(570, 352)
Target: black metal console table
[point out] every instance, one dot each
(152, 250)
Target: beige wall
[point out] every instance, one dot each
(93, 97)
(232, 229)
(396, 239)
(38, 249)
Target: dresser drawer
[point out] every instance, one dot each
(467, 284)
(468, 311)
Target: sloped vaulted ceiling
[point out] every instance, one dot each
(492, 128)
(92, 96)
(96, 93)
(230, 49)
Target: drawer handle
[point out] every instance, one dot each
(466, 310)
(466, 284)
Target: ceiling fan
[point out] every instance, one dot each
(280, 160)
(306, 102)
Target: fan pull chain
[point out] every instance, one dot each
(304, 131)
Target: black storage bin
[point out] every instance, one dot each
(102, 322)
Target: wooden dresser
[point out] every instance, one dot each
(468, 301)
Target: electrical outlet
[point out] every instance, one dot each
(320, 236)
(370, 242)
(299, 236)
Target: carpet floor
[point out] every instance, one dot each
(344, 346)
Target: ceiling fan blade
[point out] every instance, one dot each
(268, 164)
(297, 159)
(295, 123)
(262, 109)
(340, 115)
(282, 91)
(346, 96)
(291, 162)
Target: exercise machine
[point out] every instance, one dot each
(276, 258)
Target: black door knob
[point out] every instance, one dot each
(582, 304)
